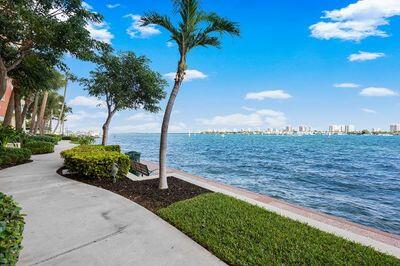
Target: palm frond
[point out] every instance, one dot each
(220, 25)
(160, 20)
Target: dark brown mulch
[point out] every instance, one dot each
(4, 166)
(145, 193)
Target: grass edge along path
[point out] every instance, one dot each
(243, 234)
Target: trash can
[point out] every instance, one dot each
(134, 156)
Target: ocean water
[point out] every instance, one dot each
(354, 177)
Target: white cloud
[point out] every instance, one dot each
(81, 115)
(264, 117)
(136, 30)
(378, 92)
(274, 94)
(356, 21)
(87, 101)
(151, 127)
(111, 6)
(368, 110)
(364, 56)
(144, 117)
(170, 44)
(190, 74)
(100, 32)
(346, 85)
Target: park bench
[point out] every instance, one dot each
(140, 168)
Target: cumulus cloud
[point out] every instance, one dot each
(111, 6)
(81, 115)
(378, 92)
(144, 117)
(346, 85)
(150, 127)
(190, 74)
(367, 110)
(136, 30)
(273, 94)
(250, 109)
(364, 56)
(87, 101)
(264, 117)
(357, 21)
(100, 32)
(170, 44)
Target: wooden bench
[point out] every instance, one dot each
(141, 168)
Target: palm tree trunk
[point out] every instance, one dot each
(62, 107)
(34, 113)
(105, 128)
(10, 111)
(3, 79)
(180, 74)
(51, 121)
(17, 109)
(41, 121)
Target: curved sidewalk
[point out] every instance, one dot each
(71, 223)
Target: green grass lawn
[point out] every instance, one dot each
(243, 234)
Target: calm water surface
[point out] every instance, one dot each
(355, 177)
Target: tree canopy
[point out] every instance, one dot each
(126, 82)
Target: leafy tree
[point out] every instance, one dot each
(195, 28)
(51, 27)
(126, 82)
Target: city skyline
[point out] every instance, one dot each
(294, 64)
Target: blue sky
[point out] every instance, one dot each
(293, 64)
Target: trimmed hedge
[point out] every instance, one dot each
(43, 138)
(11, 229)
(39, 147)
(11, 156)
(96, 161)
(54, 136)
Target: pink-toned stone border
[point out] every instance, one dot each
(390, 242)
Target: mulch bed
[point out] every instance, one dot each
(145, 193)
(4, 166)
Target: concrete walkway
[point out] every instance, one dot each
(71, 223)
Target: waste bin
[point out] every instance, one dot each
(134, 156)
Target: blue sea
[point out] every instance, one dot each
(354, 177)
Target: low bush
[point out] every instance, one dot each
(12, 156)
(39, 147)
(85, 140)
(11, 229)
(96, 161)
(66, 137)
(243, 234)
(43, 138)
(57, 137)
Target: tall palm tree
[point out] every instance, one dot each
(195, 28)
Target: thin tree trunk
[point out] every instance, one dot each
(3, 78)
(51, 121)
(27, 105)
(105, 128)
(34, 113)
(17, 109)
(10, 111)
(41, 121)
(180, 74)
(62, 106)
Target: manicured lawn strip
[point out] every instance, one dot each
(243, 234)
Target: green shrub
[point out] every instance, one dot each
(66, 137)
(9, 134)
(95, 161)
(43, 138)
(86, 140)
(39, 147)
(11, 228)
(57, 137)
(10, 156)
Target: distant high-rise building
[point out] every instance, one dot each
(349, 128)
(341, 128)
(289, 129)
(303, 128)
(395, 127)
